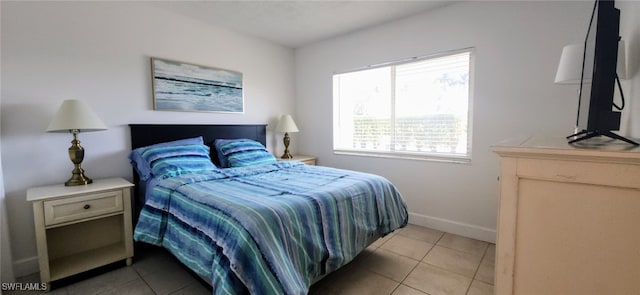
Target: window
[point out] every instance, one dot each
(415, 109)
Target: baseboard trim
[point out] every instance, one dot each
(454, 227)
(25, 266)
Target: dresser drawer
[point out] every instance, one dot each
(80, 207)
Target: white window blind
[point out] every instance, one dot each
(418, 108)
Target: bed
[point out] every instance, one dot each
(258, 225)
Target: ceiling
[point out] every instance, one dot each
(298, 23)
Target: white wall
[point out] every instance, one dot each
(517, 46)
(6, 260)
(99, 52)
(630, 32)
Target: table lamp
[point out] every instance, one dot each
(75, 116)
(570, 68)
(286, 125)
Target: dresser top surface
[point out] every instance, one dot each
(540, 146)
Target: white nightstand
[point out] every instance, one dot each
(309, 160)
(79, 228)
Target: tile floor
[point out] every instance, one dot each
(414, 260)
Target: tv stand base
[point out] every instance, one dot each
(584, 134)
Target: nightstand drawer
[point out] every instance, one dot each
(80, 207)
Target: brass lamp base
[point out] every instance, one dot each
(286, 155)
(76, 154)
(78, 179)
(286, 140)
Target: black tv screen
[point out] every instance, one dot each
(595, 110)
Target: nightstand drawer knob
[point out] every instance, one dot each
(87, 206)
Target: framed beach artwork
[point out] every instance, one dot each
(179, 86)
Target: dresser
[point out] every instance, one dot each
(569, 217)
(79, 228)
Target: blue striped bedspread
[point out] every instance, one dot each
(269, 229)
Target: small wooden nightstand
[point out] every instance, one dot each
(309, 160)
(79, 228)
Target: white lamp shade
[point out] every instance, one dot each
(74, 114)
(286, 124)
(622, 61)
(570, 65)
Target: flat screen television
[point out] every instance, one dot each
(596, 116)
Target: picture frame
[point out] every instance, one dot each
(181, 86)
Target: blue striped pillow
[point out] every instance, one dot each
(169, 161)
(246, 153)
(143, 168)
(218, 143)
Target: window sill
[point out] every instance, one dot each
(407, 156)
